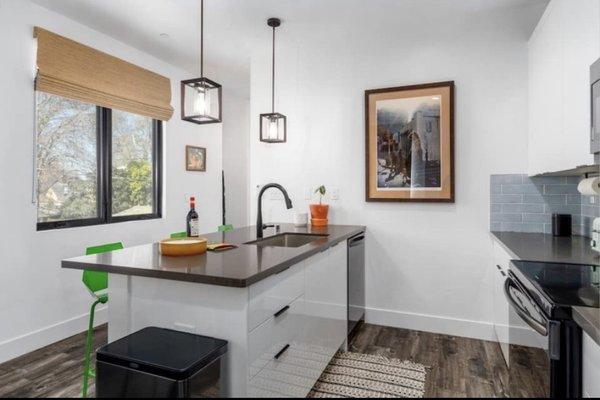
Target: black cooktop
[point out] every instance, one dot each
(558, 285)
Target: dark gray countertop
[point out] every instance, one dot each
(239, 267)
(547, 248)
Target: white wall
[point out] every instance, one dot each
(41, 303)
(427, 263)
(236, 136)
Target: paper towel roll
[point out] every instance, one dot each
(589, 186)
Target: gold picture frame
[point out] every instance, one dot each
(195, 158)
(410, 143)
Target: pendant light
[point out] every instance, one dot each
(201, 97)
(273, 125)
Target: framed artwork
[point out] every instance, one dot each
(195, 158)
(410, 143)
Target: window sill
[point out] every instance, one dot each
(50, 226)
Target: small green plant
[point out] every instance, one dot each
(321, 190)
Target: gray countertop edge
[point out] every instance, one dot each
(496, 237)
(588, 318)
(214, 280)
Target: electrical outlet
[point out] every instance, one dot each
(307, 193)
(335, 193)
(184, 327)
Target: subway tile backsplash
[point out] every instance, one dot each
(520, 203)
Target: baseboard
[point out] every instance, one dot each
(431, 323)
(35, 340)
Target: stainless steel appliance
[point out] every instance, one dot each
(541, 295)
(356, 282)
(155, 362)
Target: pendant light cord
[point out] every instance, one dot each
(273, 77)
(201, 38)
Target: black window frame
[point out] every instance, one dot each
(104, 177)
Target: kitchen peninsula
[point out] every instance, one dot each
(281, 302)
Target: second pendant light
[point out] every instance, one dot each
(273, 124)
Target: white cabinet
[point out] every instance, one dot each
(274, 335)
(326, 303)
(591, 367)
(271, 295)
(307, 335)
(282, 331)
(564, 44)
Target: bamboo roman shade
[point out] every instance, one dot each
(70, 69)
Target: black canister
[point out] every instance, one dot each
(562, 224)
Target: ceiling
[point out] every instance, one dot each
(231, 26)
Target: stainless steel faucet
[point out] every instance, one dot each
(259, 223)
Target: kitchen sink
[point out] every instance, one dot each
(288, 240)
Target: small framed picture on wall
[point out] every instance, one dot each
(195, 158)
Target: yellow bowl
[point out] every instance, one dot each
(183, 247)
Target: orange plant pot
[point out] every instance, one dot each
(319, 211)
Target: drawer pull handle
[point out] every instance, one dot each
(287, 346)
(278, 313)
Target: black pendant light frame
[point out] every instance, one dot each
(202, 83)
(273, 117)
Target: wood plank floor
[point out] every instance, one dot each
(460, 367)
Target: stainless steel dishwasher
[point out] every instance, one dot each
(356, 282)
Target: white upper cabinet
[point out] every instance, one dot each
(563, 46)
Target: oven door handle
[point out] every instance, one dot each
(522, 312)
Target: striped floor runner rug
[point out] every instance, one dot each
(360, 375)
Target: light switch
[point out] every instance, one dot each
(335, 193)
(307, 193)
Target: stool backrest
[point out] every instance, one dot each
(98, 280)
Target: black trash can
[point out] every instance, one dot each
(156, 362)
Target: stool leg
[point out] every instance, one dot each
(89, 344)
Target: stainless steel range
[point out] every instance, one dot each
(541, 295)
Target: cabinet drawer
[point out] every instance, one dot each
(293, 374)
(273, 336)
(272, 294)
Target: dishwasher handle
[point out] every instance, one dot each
(356, 240)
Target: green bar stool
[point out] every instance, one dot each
(225, 228)
(97, 283)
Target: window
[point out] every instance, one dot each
(95, 165)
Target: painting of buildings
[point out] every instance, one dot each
(408, 143)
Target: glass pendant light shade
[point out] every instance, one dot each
(273, 125)
(273, 128)
(201, 101)
(201, 97)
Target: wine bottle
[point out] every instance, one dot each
(192, 220)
